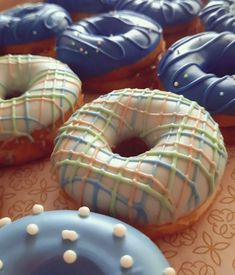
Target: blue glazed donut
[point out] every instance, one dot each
(116, 46)
(102, 43)
(30, 23)
(71, 242)
(165, 12)
(177, 17)
(219, 16)
(201, 68)
(86, 6)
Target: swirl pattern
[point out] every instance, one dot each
(201, 68)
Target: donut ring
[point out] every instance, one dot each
(71, 242)
(178, 18)
(37, 94)
(85, 8)
(112, 50)
(165, 188)
(24, 26)
(200, 68)
(219, 16)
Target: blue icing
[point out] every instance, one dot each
(165, 12)
(32, 22)
(201, 67)
(87, 6)
(98, 250)
(99, 44)
(219, 16)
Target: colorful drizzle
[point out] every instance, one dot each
(165, 12)
(179, 172)
(32, 22)
(219, 16)
(201, 68)
(71, 242)
(47, 88)
(99, 44)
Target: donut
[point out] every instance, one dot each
(200, 68)
(76, 242)
(112, 50)
(219, 16)
(178, 18)
(80, 9)
(160, 191)
(37, 94)
(32, 29)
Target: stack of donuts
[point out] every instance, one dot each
(146, 148)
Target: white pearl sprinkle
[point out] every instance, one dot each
(86, 52)
(70, 235)
(34, 32)
(176, 84)
(169, 271)
(73, 43)
(81, 50)
(5, 221)
(84, 211)
(32, 229)
(1, 264)
(70, 256)
(221, 93)
(119, 230)
(99, 42)
(38, 209)
(126, 261)
(185, 75)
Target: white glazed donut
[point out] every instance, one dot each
(37, 94)
(165, 188)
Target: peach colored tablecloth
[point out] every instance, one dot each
(205, 249)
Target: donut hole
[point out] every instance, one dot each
(131, 147)
(103, 27)
(57, 266)
(12, 94)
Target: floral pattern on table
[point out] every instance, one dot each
(206, 248)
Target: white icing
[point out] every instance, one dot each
(126, 261)
(119, 230)
(38, 209)
(70, 235)
(48, 88)
(32, 229)
(84, 211)
(185, 163)
(5, 221)
(70, 256)
(169, 271)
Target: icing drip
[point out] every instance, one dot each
(219, 16)
(201, 68)
(97, 252)
(165, 12)
(179, 172)
(102, 43)
(46, 84)
(32, 22)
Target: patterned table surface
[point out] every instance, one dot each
(207, 248)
